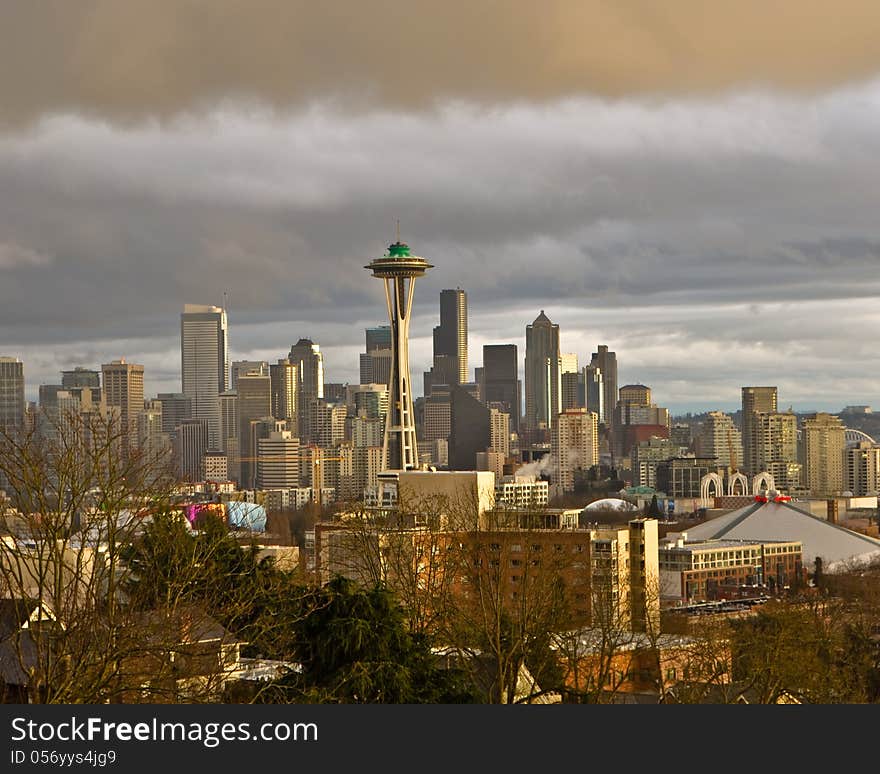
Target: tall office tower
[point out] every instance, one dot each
(229, 430)
(451, 336)
(774, 439)
(499, 431)
(204, 363)
(278, 466)
(574, 445)
(124, 389)
(375, 366)
(594, 393)
(606, 362)
(176, 407)
(573, 390)
(285, 383)
(335, 392)
(542, 372)
(501, 380)
(240, 367)
(254, 403)
(470, 430)
(378, 338)
(309, 362)
(398, 270)
(823, 443)
(153, 442)
(81, 377)
(437, 418)
(719, 440)
(327, 421)
(754, 400)
(11, 394)
(375, 361)
(863, 468)
(190, 446)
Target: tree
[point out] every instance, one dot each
(353, 646)
(77, 492)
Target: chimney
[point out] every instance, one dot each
(832, 510)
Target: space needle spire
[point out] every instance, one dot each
(399, 269)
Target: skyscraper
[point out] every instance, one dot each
(239, 367)
(399, 269)
(254, 404)
(451, 336)
(574, 446)
(594, 392)
(542, 372)
(378, 338)
(606, 363)
(309, 361)
(11, 394)
(824, 443)
(204, 359)
(450, 364)
(754, 400)
(501, 380)
(124, 388)
(284, 379)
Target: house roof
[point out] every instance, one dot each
(837, 546)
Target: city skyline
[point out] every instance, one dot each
(347, 370)
(705, 209)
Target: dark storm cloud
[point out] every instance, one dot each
(139, 58)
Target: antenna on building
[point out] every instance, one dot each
(398, 230)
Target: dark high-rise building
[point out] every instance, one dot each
(176, 407)
(254, 403)
(501, 380)
(573, 390)
(11, 394)
(451, 336)
(450, 342)
(204, 363)
(755, 400)
(606, 362)
(542, 372)
(307, 357)
(378, 338)
(190, 445)
(594, 392)
(470, 429)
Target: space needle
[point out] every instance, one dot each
(399, 269)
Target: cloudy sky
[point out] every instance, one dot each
(695, 184)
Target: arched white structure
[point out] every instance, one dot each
(762, 478)
(852, 436)
(733, 480)
(707, 483)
